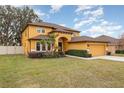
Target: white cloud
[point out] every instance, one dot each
(89, 17)
(92, 23)
(81, 8)
(40, 13)
(62, 24)
(95, 13)
(84, 22)
(106, 29)
(55, 8)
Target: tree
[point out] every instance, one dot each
(122, 36)
(121, 42)
(12, 21)
(51, 40)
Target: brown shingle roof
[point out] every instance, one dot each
(111, 40)
(121, 41)
(85, 38)
(39, 37)
(54, 26)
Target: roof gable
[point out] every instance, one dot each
(110, 39)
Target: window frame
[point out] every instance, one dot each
(40, 30)
(36, 47)
(41, 48)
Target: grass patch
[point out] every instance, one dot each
(20, 71)
(120, 55)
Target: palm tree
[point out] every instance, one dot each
(51, 40)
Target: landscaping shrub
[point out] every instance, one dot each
(35, 55)
(53, 54)
(80, 53)
(61, 54)
(108, 53)
(45, 54)
(119, 51)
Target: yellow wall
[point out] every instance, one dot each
(31, 31)
(25, 42)
(65, 35)
(96, 49)
(77, 45)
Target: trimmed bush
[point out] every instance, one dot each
(80, 53)
(119, 51)
(35, 55)
(61, 54)
(46, 54)
(108, 53)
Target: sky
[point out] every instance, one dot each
(90, 20)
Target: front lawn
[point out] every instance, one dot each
(120, 55)
(20, 71)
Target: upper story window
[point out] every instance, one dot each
(74, 34)
(40, 30)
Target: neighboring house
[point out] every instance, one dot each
(67, 39)
(114, 43)
(121, 44)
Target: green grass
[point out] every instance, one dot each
(120, 55)
(20, 71)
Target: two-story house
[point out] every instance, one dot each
(66, 39)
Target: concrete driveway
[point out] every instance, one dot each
(113, 58)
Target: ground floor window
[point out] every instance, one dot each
(43, 47)
(38, 46)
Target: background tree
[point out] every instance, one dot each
(12, 21)
(121, 42)
(122, 36)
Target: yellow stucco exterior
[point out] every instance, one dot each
(95, 48)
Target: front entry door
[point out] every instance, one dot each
(60, 46)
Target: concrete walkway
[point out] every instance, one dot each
(113, 58)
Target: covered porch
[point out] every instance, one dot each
(35, 44)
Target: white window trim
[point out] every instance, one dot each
(40, 28)
(36, 47)
(46, 47)
(43, 50)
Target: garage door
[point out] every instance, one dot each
(97, 50)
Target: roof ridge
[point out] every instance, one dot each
(105, 36)
(54, 25)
